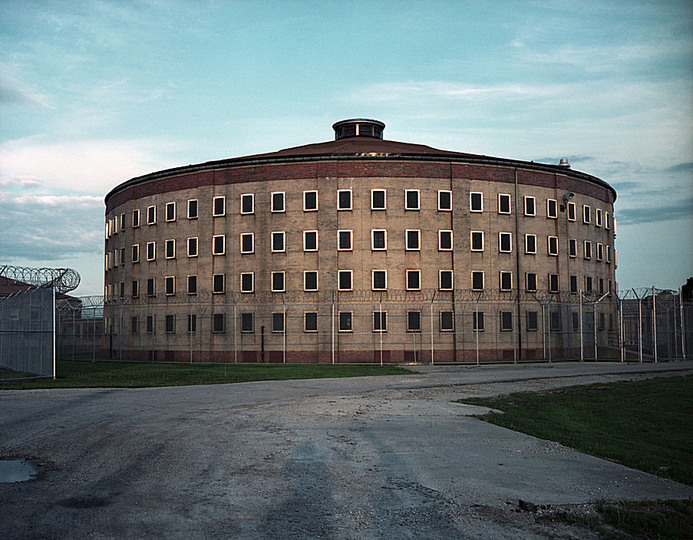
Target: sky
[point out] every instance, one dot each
(93, 93)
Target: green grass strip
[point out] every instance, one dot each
(647, 425)
(133, 375)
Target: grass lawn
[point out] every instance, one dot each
(116, 374)
(647, 425)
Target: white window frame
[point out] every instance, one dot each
(275, 208)
(373, 287)
(221, 198)
(170, 205)
(153, 251)
(471, 241)
(572, 247)
(500, 280)
(192, 253)
(223, 244)
(572, 211)
(282, 275)
(252, 203)
(406, 199)
(417, 235)
(136, 218)
(172, 281)
(187, 284)
(587, 250)
(510, 200)
(305, 193)
(151, 215)
(223, 284)
(252, 242)
(586, 213)
(529, 251)
(551, 279)
(471, 199)
(380, 317)
(373, 192)
(135, 253)
(441, 327)
(440, 280)
(529, 199)
(552, 252)
(597, 217)
(441, 234)
(170, 242)
(607, 221)
(305, 241)
(440, 207)
(351, 321)
(252, 282)
(351, 199)
(600, 252)
(197, 209)
(408, 273)
(502, 235)
(483, 280)
(351, 240)
(529, 288)
(549, 204)
(278, 234)
(305, 321)
(373, 233)
(350, 273)
(317, 280)
(411, 329)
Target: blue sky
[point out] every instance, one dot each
(93, 93)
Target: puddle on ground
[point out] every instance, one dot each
(16, 470)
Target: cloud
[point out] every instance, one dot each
(671, 212)
(14, 92)
(681, 168)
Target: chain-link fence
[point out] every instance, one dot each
(27, 337)
(380, 327)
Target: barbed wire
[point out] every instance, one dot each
(64, 279)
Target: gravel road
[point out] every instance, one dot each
(376, 457)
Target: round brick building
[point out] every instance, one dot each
(359, 249)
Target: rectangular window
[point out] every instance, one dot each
(573, 284)
(531, 282)
(247, 282)
(310, 201)
(530, 206)
(447, 321)
(445, 240)
(248, 203)
(411, 199)
(219, 206)
(476, 202)
(219, 244)
(413, 240)
(551, 209)
(192, 247)
(478, 321)
(505, 242)
(553, 283)
(278, 202)
(278, 241)
(506, 321)
(192, 284)
(477, 240)
(150, 324)
(345, 321)
(379, 321)
(532, 321)
(310, 280)
(135, 288)
(571, 211)
(344, 280)
(218, 323)
(413, 321)
(344, 199)
(588, 284)
(530, 244)
(379, 280)
(598, 217)
(122, 256)
(310, 321)
(344, 238)
(151, 251)
(555, 321)
(135, 219)
(572, 247)
(378, 239)
(170, 285)
(192, 209)
(192, 323)
(134, 324)
(247, 242)
(218, 283)
(170, 324)
(588, 249)
(586, 214)
(607, 220)
(151, 287)
(151, 215)
(170, 211)
(477, 281)
(170, 249)
(135, 253)
(278, 279)
(413, 278)
(310, 240)
(600, 252)
(444, 200)
(503, 203)
(378, 199)
(553, 246)
(506, 281)
(247, 323)
(608, 253)
(601, 287)
(445, 282)
(122, 222)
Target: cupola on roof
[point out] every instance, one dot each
(358, 127)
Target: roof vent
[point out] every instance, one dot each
(564, 163)
(358, 127)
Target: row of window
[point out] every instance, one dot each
(379, 242)
(378, 202)
(345, 322)
(345, 281)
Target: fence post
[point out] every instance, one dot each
(621, 340)
(654, 325)
(432, 299)
(333, 336)
(582, 345)
(476, 326)
(683, 326)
